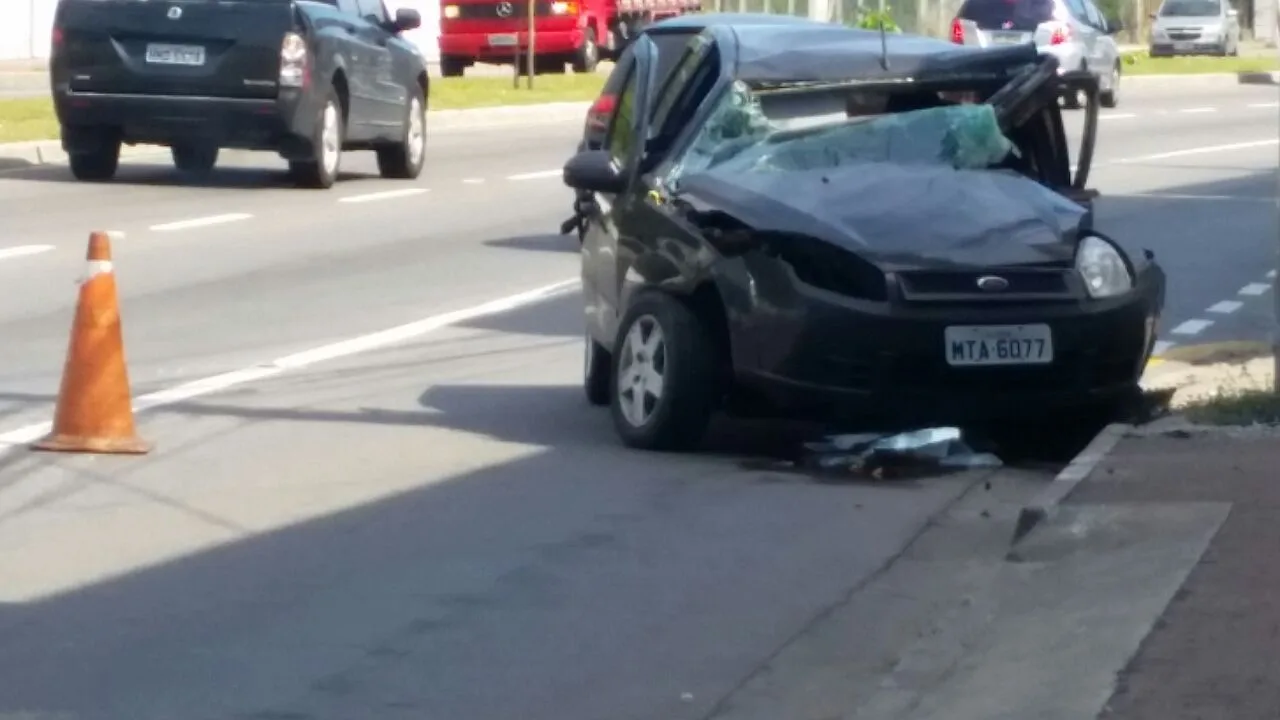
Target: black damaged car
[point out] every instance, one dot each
(824, 222)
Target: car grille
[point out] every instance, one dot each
(487, 11)
(1184, 33)
(1022, 285)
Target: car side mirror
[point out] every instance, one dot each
(407, 19)
(594, 171)
(1111, 26)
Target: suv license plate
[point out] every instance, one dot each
(502, 40)
(981, 345)
(159, 54)
(1182, 46)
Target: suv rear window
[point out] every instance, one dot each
(1022, 15)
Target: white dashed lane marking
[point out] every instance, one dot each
(386, 195)
(1191, 327)
(535, 175)
(1225, 307)
(201, 222)
(1198, 110)
(1255, 289)
(23, 251)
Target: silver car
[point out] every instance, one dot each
(1074, 30)
(1195, 27)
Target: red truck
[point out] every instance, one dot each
(566, 32)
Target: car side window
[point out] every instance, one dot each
(684, 69)
(1077, 10)
(348, 7)
(622, 138)
(1093, 14)
(373, 10)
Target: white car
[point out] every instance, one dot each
(1195, 27)
(1075, 31)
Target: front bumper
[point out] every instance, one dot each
(850, 358)
(281, 123)
(1202, 46)
(479, 47)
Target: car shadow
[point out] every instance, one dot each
(155, 173)
(539, 243)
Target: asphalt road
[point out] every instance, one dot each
(429, 522)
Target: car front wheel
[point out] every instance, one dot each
(404, 160)
(664, 372)
(1110, 97)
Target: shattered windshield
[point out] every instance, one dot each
(822, 128)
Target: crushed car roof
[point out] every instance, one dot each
(832, 53)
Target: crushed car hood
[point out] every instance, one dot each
(904, 215)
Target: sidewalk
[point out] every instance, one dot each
(1213, 653)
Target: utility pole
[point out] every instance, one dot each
(1275, 272)
(533, 6)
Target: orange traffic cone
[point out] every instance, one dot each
(95, 410)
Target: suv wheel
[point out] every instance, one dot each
(194, 158)
(322, 171)
(587, 57)
(664, 373)
(597, 372)
(452, 66)
(97, 164)
(405, 159)
(1110, 97)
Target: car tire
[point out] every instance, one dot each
(405, 159)
(195, 158)
(597, 375)
(322, 171)
(683, 357)
(97, 165)
(452, 67)
(586, 57)
(1111, 98)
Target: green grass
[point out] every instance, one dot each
(27, 119)
(1236, 407)
(1139, 63)
(460, 93)
(33, 119)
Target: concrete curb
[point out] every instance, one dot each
(47, 152)
(1081, 466)
(1241, 78)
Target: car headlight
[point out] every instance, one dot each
(1103, 268)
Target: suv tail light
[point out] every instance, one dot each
(957, 32)
(600, 112)
(1061, 34)
(56, 37)
(294, 62)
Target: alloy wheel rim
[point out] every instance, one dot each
(330, 146)
(417, 138)
(642, 371)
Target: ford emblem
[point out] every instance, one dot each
(992, 283)
(175, 12)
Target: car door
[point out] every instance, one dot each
(607, 213)
(385, 97)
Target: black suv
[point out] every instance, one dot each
(304, 78)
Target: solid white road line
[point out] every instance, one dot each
(201, 222)
(296, 361)
(1255, 289)
(1195, 151)
(1225, 307)
(23, 251)
(1191, 327)
(385, 195)
(536, 175)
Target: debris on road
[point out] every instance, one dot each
(890, 456)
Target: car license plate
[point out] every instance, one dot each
(1006, 38)
(1182, 46)
(160, 54)
(980, 345)
(502, 40)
